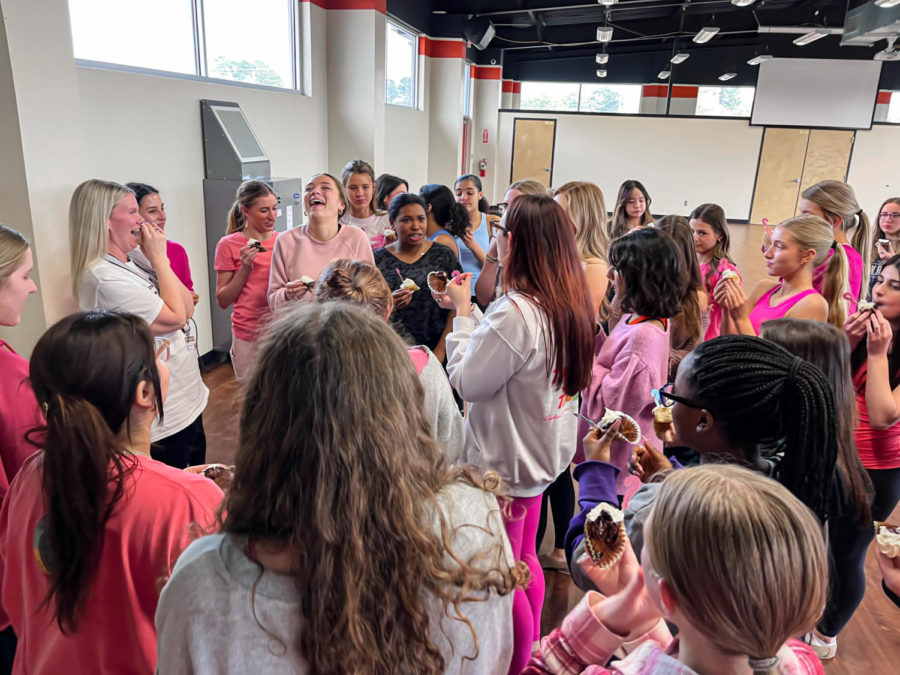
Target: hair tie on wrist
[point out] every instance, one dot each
(795, 366)
(768, 663)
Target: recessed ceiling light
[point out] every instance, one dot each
(706, 34)
(664, 74)
(604, 33)
(756, 60)
(680, 57)
(727, 76)
(438, 11)
(607, 3)
(884, 4)
(601, 72)
(806, 38)
(602, 58)
(742, 3)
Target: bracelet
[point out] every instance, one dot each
(489, 258)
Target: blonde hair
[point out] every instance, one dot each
(363, 167)
(587, 210)
(837, 199)
(528, 186)
(89, 211)
(745, 559)
(13, 245)
(356, 281)
(811, 232)
(247, 193)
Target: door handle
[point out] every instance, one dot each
(546, 169)
(796, 180)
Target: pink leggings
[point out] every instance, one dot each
(521, 528)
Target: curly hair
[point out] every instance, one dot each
(356, 281)
(653, 271)
(336, 461)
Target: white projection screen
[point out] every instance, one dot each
(829, 93)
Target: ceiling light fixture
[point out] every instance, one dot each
(680, 57)
(664, 74)
(756, 60)
(601, 72)
(607, 3)
(742, 3)
(604, 33)
(724, 77)
(706, 34)
(602, 58)
(806, 38)
(885, 4)
(888, 53)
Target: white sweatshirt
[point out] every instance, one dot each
(519, 424)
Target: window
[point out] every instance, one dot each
(725, 101)
(401, 65)
(610, 98)
(549, 96)
(893, 114)
(208, 38)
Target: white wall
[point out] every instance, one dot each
(406, 133)
(874, 172)
(681, 162)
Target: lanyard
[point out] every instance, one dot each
(113, 260)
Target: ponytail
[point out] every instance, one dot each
(247, 193)
(760, 393)
(836, 285)
(235, 219)
(861, 240)
(449, 213)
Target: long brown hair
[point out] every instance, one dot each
(360, 166)
(84, 371)
(714, 216)
(619, 223)
(679, 229)
(544, 265)
(878, 233)
(336, 461)
(827, 347)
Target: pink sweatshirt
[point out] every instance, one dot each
(297, 254)
(628, 365)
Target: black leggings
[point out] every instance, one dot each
(182, 449)
(848, 545)
(561, 495)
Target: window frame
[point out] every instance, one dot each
(414, 38)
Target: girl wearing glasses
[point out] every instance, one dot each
(520, 368)
(96, 523)
(797, 247)
(835, 201)
(632, 210)
(886, 237)
(447, 218)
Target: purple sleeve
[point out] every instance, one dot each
(596, 483)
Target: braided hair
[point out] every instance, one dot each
(761, 393)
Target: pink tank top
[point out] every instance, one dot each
(762, 312)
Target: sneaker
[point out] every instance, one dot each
(825, 650)
(549, 562)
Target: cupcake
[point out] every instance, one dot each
(887, 536)
(865, 306)
(662, 420)
(604, 535)
(254, 243)
(220, 474)
(437, 282)
(628, 430)
(389, 233)
(307, 281)
(729, 274)
(409, 285)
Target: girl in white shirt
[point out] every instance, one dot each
(363, 210)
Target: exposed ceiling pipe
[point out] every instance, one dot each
(799, 30)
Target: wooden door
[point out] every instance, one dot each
(827, 157)
(532, 151)
(779, 174)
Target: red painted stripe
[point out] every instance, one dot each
(681, 91)
(486, 72)
(517, 87)
(377, 5)
(442, 49)
(662, 90)
(884, 97)
(653, 90)
(508, 87)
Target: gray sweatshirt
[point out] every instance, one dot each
(206, 621)
(440, 408)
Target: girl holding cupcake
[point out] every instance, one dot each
(405, 265)
(797, 247)
(242, 263)
(302, 253)
(886, 238)
(520, 368)
(362, 208)
(712, 242)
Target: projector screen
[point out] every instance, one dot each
(830, 93)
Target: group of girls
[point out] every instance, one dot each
(376, 533)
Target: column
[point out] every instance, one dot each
(653, 99)
(445, 67)
(486, 86)
(506, 94)
(684, 100)
(882, 104)
(516, 95)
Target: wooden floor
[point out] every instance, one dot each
(869, 644)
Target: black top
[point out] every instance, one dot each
(422, 321)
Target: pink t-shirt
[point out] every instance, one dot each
(855, 274)
(762, 311)
(297, 255)
(148, 530)
(715, 311)
(178, 260)
(19, 412)
(251, 308)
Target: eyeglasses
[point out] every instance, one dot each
(883, 215)
(502, 206)
(496, 229)
(669, 399)
(161, 346)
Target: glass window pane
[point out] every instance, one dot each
(249, 43)
(894, 108)
(135, 33)
(400, 67)
(549, 96)
(611, 98)
(725, 101)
